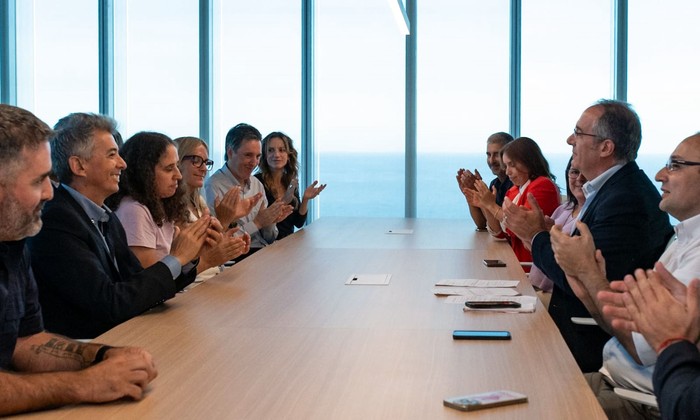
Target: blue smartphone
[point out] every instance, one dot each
(480, 335)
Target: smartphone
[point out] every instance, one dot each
(494, 263)
(484, 400)
(495, 304)
(480, 335)
(289, 194)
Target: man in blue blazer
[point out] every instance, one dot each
(89, 280)
(621, 210)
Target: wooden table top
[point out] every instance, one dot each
(280, 335)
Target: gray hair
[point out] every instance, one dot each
(619, 123)
(73, 136)
(19, 129)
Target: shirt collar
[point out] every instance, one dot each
(594, 185)
(93, 211)
(228, 174)
(687, 229)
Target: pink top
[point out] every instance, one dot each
(142, 230)
(562, 216)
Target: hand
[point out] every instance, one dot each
(125, 372)
(466, 179)
(273, 214)
(227, 249)
(481, 196)
(575, 254)
(233, 207)
(523, 222)
(656, 313)
(312, 191)
(189, 240)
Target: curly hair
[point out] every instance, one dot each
(142, 152)
(525, 150)
(291, 169)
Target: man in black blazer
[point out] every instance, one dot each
(621, 210)
(89, 280)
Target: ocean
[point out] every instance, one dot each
(372, 185)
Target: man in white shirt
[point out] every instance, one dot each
(628, 360)
(243, 151)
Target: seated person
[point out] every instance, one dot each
(278, 169)
(39, 369)
(193, 165)
(243, 151)
(466, 179)
(565, 216)
(89, 279)
(529, 171)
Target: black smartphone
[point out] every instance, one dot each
(495, 304)
(480, 335)
(494, 263)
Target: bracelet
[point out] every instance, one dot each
(100, 355)
(668, 342)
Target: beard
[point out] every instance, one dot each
(16, 222)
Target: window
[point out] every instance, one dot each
(360, 83)
(57, 58)
(463, 94)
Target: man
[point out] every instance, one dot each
(670, 322)
(628, 360)
(465, 179)
(243, 151)
(621, 210)
(89, 279)
(39, 369)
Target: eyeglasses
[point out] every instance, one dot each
(574, 173)
(675, 164)
(198, 161)
(579, 133)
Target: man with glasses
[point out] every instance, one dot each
(621, 210)
(628, 359)
(89, 280)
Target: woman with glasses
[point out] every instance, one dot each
(529, 171)
(565, 216)
(193, 165)
(278, 172)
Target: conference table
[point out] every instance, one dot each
(280, 334)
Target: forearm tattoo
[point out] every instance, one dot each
(63, 349)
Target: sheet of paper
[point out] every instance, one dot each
(527, 303)
(474, 291)
(399, 232)
(477, 283)
(368, 279)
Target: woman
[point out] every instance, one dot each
(565, 216)
(529, 171)
(278, 171)
(193, 165)
(150, 202)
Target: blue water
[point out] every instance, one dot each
(372, 185)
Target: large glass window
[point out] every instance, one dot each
(162, 68)
(566, 66)
(259, 80)
(57, 57)
(360, 83)
(663, 80)
(463, 70)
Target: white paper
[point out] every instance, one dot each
(477, 283)
(474, 291)
(368, 279)
(399, 232)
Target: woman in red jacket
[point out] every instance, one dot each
(529, 171)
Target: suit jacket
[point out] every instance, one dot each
(677, 381)
(631, 231)
(82, 293)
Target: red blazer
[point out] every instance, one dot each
(547, 196)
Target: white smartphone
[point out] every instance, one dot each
(485, 400)
(289, 194)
